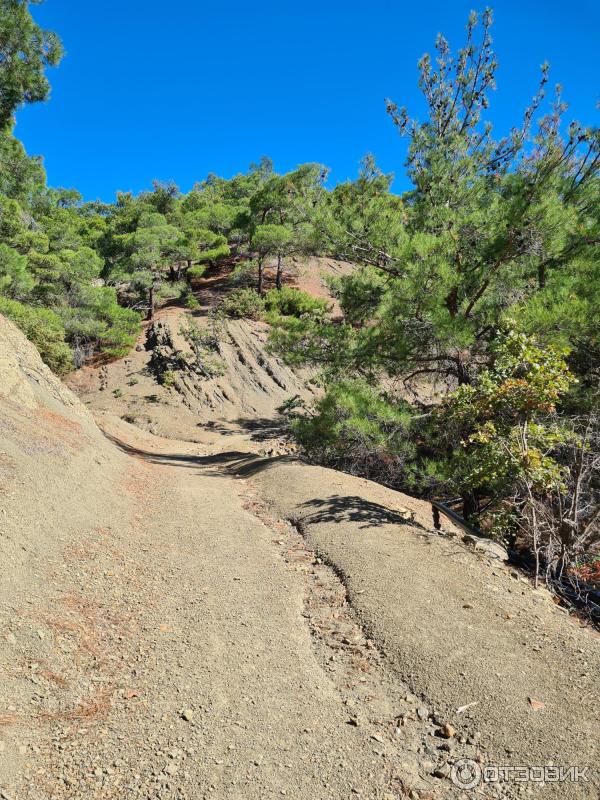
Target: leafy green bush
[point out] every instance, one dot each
(505, 435)
(290, 302)
(243, 304)
(168, 379)
(358, 429)
(191, 302)
(196, 271)
(45, 329)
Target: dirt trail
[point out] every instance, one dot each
(169, 634)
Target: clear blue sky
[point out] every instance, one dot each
(176, 90)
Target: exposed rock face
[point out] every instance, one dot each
(237, 377)
(23, 375)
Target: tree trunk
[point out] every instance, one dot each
(541, 276)
(451, 302)
(469, 504)
(172, 277)
(279, 271)
(151, 301)
(260, 276)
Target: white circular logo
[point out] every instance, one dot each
(466, 773)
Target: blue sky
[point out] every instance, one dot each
(176, 90)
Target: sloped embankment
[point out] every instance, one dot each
(461, 630)
(239, 401)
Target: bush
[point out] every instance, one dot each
(45, 329)
(204, 343)
(191, 302)
(524, 473)
(290, 302)
(168, 379)
(357, 429)
(243, 304)
(196, 272)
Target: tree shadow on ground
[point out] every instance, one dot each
(259, 430)
(352, 508)
(233, 462)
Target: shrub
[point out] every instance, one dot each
(524, 473)
(358, 429)
(290, 302)
(45, 329)
(191, 302)
(197, 271)
(243, 303)
(168, 379)
(203, 344)
(117, 393)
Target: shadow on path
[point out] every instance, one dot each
(352, 508)
(236, 462)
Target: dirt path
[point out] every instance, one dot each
(167, 635)
(165, 639)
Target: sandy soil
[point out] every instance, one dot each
(185, 615)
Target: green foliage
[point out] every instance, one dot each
(27, 50)
(196, 271)
(504, 430)
(167, 379)
(294, 302)
(15, 279)
(243, 303)
(45, 329)
(489, 224)
(203, 344)
(271, 240)
(191, 302)
(356, 428)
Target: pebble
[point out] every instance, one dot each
(448, 731)
(187, 714)
(422, 712)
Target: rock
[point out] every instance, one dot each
(353, 721)
(448, 731)
(442, 772)
(492, 549)
(139, 348)
(377, 737)
(171, 769)
(422, 712)
(187, 714)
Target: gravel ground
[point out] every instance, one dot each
(189, 621)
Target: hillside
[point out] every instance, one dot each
(181, 614)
